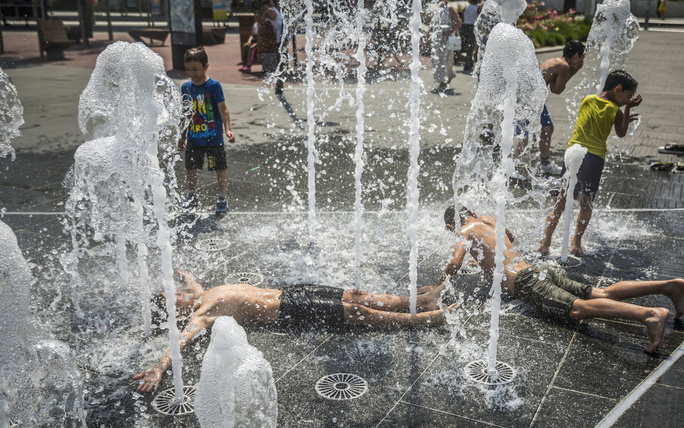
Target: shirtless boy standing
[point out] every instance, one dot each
(556, 73)
(550, 290)
(300, 306)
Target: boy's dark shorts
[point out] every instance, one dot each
(303, 306)
(216, 157)
(588, 176)
(548, 289)
(545, 118)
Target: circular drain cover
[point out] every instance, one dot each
(252, 278)
(571, 262)
(212, 244)
(477, 371)
(341, 386)
(165, 403)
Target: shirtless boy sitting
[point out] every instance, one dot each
(545, 288)
(301, 305)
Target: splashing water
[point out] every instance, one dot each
(358, 154)
(495, 12)
(613, 34)
(236, 385)
(573, 160)
(510, 94)
(39, 381)
(132, 115)
(11, 115)
(611, 38)
(412, 192)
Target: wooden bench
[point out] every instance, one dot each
(153, 34)
(52, 36)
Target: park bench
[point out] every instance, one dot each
(153, 34)
(52, 36)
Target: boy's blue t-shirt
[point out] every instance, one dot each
(206, 127)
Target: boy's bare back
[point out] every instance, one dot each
(244, 302)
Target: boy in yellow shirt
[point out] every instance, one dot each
(597, 116)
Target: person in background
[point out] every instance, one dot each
(468, 33)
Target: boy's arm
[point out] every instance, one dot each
(622, 120)
(455, 264)
(152, 377)
(225, 116)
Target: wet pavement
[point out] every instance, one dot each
(567, 373)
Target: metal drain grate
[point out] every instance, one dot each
(341, 386)
(477, 371)
(571, 262)
(165, 403)
(212, 244)
(252, 278)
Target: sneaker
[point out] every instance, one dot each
(190, 201)
(548, 168)
(515, 175)
(221, 208)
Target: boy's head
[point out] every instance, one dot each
(450, 216)
(197, 54)
(572, 48)
(620, 87)
(196, 63)
(620, 77)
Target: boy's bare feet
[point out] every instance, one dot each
(677, 297)
(544, 248)
(429, 300)
(578, 251)
(656, 323)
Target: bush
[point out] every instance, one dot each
(546, 27)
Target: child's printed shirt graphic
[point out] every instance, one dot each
(206, 127)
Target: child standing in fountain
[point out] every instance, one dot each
(597, 115)
(205, 133)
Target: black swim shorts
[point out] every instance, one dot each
(303, 306)
(548, 289)
(216, 157)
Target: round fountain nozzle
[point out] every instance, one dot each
(480, 372)
(212, 244)
(167, 403)
(341, 386)
(570, 262)
(251, 278)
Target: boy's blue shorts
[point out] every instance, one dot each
(522, 124)
(216, 157)
(546, 118)
(589, 175)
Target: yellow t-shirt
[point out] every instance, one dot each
(594, 122)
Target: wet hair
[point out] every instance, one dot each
(197, 54)
(573, 47)
(620, 77)
(450, 214)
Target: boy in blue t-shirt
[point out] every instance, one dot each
(205, 133)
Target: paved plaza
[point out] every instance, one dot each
(567, 374)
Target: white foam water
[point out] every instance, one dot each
(236, 387)
(132, 116)
(11, 115)
(573, 161)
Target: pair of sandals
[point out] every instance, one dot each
(672, 149)
(667, 166)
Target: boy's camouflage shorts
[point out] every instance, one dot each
(548, 289)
